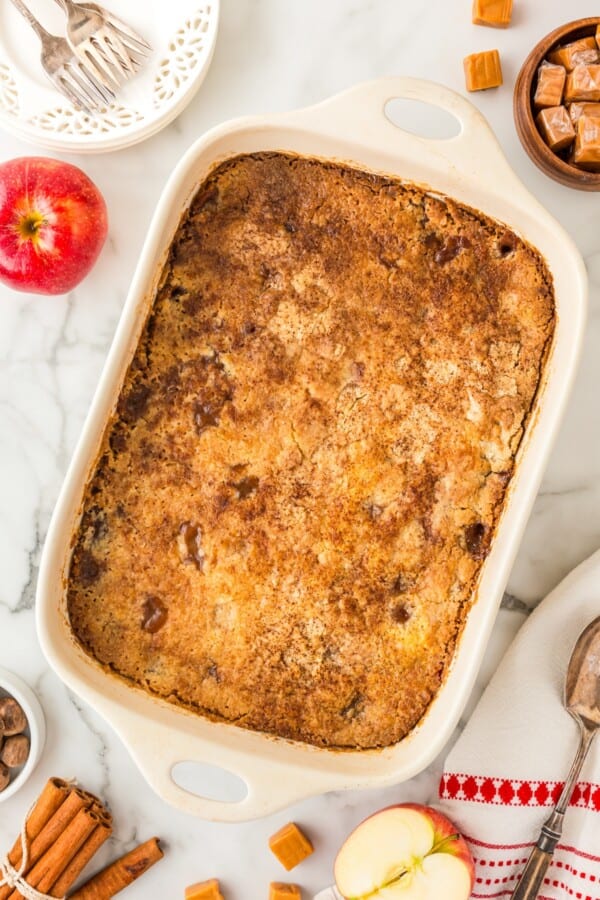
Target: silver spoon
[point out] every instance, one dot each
(582, 701)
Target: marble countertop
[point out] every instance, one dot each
(271, 55)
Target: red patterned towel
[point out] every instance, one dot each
(507, 769)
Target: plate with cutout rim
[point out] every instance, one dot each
(182, 34)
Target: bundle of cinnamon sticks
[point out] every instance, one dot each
(63, 832)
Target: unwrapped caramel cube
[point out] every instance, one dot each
(290, 846)
(496, 13)
(583, 83)
(556, 127)
(483, 70)
(280, 891)
(577, 110)
(587, 144)
(204, 890)
(550, 85)
(580, 53)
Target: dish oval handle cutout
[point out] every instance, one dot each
(210, 782)
(423, 119)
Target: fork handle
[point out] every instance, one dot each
(533, 875)
(27, 14)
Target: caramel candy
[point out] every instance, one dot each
(577, 110)
(15, 751)
(496, 13)
(550, 85)
(587, 144)
(483, 70)
(280, 891)
(13, 717)
(580, 53)
(290, 846)
(583, 83)
(204, 890)
(556, 127)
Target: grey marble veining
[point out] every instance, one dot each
(271, 55)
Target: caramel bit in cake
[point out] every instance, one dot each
(290, 845)
(401, 584)
(477, 539)
(401, 613)
(134, 403)
(154, 614)
(354, 707)
(450, 249)
(206, 416)
(88, 568)
(246, 486)
(189, 545)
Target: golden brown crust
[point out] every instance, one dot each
(311, 451)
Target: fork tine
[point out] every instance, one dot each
(127, 32)
(70, 90)
(94, 99)
(97, 89)
(115, 48)
(105, 73)
(142, 48)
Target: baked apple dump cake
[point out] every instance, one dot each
(302, 478)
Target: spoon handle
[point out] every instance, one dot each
(533, 874)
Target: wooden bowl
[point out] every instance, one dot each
(532, 141)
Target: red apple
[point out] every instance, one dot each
(405, 852)
(53, 225)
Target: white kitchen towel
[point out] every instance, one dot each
(508, 767)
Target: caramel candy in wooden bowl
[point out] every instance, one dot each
(525, 112)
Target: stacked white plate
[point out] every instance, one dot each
(182, 34)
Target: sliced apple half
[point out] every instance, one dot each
(406, 852)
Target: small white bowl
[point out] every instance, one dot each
(12, 685)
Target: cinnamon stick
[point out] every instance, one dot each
(121, 873)
(99, 835)
(48, 803)
(58, 857)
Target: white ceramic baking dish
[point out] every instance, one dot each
(470, 167)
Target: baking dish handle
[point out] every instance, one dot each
(361, 112)
(270, 785)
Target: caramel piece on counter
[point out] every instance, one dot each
(550, 85)
(204, 890)
(13, 717)
(15, 751)
(556, 127)
(496, 13)
(483, 70)
(280, 891)
(290, 846)
(583, 83)
(580, 53)
(587, 144)
(577, 110)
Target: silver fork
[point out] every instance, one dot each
(102, 40)
(66, 71)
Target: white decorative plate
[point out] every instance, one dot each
(182, 34)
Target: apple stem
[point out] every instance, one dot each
(446, 840)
